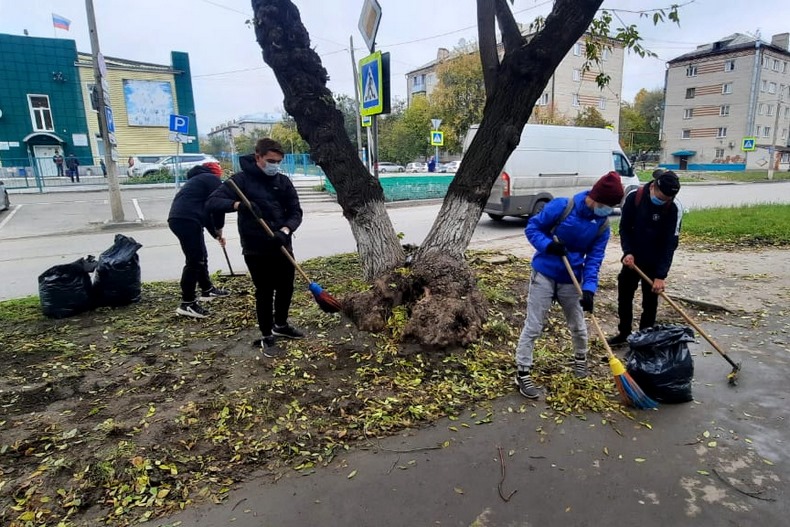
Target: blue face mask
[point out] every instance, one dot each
(603, 211)
(271, 169)
(657, 201)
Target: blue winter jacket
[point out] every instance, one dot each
(579, 233)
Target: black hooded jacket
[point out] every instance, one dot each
(274, 195)
(190, 201)
(650, 232)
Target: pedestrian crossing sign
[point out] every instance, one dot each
(749, 144)
(375, 84)
(437, 138)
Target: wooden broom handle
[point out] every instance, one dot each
(266, 227)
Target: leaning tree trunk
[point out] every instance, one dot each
(522, 76)
(286, 49)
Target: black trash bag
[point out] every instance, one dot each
(659, 361)
(65, 290)
(117, 281)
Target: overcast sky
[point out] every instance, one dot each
(230, 78)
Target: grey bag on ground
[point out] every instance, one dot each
(65, 290)
(117, 281)
(659, 361)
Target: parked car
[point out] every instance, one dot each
(451, 167)
(151, 163)
(5, 203)
(417, 167)
(386, 166)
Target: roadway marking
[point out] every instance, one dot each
(11, 215)
(138, 209)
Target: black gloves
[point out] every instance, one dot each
(557, 249)
(587, 301)
(281, 238)
(252, 209)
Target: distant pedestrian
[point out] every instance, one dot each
(58, 160)
(73, 165)
(187, 219)
(103, 167)
(432, 164)
(130, 167)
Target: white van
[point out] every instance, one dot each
(552, 161)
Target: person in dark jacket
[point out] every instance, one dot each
(581, 227)
(73, 166)
(274, 199)
(649, 232)
(187, 219)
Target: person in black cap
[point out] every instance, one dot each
(649, 232)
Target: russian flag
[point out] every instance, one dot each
(60, 22)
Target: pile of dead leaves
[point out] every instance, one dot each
(126, 414)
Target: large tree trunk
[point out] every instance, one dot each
(523, 75)
(286, 49)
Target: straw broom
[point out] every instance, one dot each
(630, 392)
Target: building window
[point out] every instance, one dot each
(691, 71)
(770, 110)
(764, 61)
(577, 49)
(757, 130)
(575, 99)
(722, 132)
(688, 113)
(771, 87)
(40, 113)
(724, 110)
(729, 65)
(93, 97)
(784, 67)
(761, 109)
(764, 86)
(726, 88)
(543, 100)
(602, 103)
(685, 134)
(690, 93)
(787, 112)
(719, 153)
(775, 65)
(767, 131)
(577, 75)
(784, 133)
(605, 54)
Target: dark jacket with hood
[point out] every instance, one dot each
(190, 201)
(650, 232)
(274, 195)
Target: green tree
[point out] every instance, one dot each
(438, 294)
(405, 136)
(591, 118)
(215, 145)
(640, 122)
(459, 97)
(287, 135)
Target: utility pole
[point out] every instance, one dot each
(356, 97)
(103, 111)
(772, 148)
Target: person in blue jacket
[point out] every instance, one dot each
(581, 227)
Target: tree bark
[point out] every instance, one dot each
(523, 74)
(286, 49)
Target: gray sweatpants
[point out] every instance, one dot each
(542, 290)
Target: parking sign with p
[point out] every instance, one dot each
(179, 124)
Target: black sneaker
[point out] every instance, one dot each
(287, 331)
(192, 309)
(525, 385)
(270, 348)
(214, 292)
(580, 367)
(617, 340)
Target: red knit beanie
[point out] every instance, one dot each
(608, 190)
(215, 168)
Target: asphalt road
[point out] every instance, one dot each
(42, 230)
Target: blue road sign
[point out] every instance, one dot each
(370, 71)
(110, 119)
(437, 138)
(748, 144)
(179, 124)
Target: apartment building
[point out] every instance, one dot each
(724, 96)
(567, 94)
(246, 124)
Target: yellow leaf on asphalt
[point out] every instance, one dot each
(453, 428)
(703, 472)
(706, 434)
(711, 444)
(352, 474)
(606, 450)
(639, 460)
(767, 462)
(458, 490)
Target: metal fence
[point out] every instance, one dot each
(293, 164)
(42, 172)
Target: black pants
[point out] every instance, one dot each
(273, 276)
(74, 173)
(627, 282)
(190, 236)
(60, 169)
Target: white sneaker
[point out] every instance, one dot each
(192, 309)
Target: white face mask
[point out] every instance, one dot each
(271, 169)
